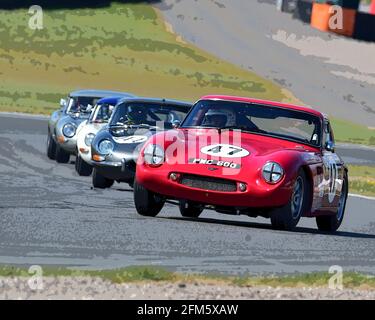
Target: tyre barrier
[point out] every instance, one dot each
(348, 4)
(287, 6)
(303, 10)
(364, 28)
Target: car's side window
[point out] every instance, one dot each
(65, 107)
(328, 135)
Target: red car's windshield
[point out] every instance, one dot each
(256, 118)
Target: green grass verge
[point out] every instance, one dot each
(362, 180)
(129, 274)
(362, 171)
(345, 131)
(155, 274)
(125, 47)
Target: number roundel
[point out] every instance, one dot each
(225, 151)
(333, 176)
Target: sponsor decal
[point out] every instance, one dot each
(225, 151)
(130, 139)
(224, 164)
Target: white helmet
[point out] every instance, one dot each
(228, 117)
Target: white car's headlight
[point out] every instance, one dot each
(154, 154)
(272, 172)
(105, 146)
(69, 130)
(89, 138)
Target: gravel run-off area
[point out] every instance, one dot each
(87, 288)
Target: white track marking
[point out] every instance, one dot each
(24, 115)
(361, 196)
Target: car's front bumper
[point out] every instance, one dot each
(158, 181)
(116, 170)
(68, 144)
(85, 154)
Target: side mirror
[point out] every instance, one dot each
(176, 124)
(62, 103)
(330, 146)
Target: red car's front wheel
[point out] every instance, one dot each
(288, 216)
(146, 202)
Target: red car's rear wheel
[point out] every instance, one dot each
(333, 222)
(190, 209)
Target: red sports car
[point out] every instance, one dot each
(245, 156)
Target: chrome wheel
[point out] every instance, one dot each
(288, 216)
(297, 198)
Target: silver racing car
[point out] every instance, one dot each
(63, 124)
(115, 149)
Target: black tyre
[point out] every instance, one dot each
(131, 183)
(332, 223)
(61, 155)
(51, 147)
(146, 202)
(190, 209)
(101, 182)
(82, 167)
(288, 216)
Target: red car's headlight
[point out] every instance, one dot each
(154, 155)
(272, 172)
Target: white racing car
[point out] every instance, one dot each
(88, 129)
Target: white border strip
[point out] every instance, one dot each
(353, 146)
(361, 196)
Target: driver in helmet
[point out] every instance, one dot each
(217, 118)
(137, 114)
(83, 107)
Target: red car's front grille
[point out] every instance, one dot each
(208, 183)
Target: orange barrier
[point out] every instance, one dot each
(348, 22)
(320, 16)
(323, 15)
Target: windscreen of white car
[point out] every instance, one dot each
(102, 113)
(81, 106)
(256, 118)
